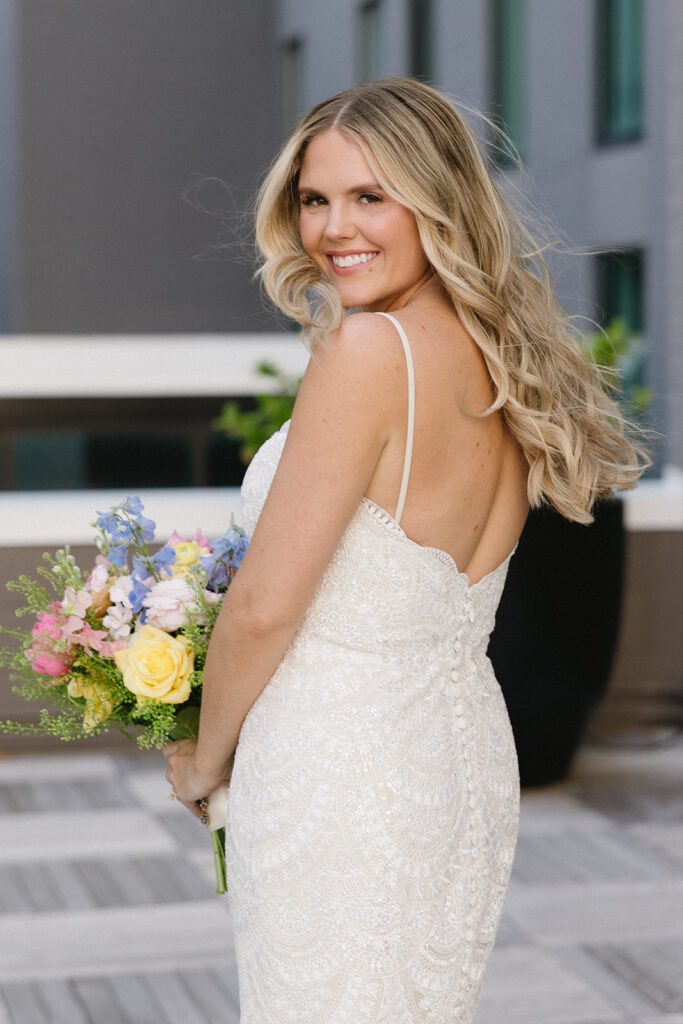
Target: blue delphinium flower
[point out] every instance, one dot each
(133, 506)
(138, 592)
(115, 527)
(146, 528)
(117, 553)
(163, 559)
(225, 558)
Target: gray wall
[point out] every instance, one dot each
(122, 106)
(8, 166)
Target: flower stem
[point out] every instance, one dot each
(218, 843)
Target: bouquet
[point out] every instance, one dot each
(124, 644)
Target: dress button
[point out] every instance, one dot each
(457, 646)
(455, 675)
(458, 710)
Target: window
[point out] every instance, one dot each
(292, 84)
(620, 294)
(421, 15)
(56, 444)
(620, 288)
(507, 70)
(370, 48)
(619, 70)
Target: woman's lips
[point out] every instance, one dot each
(347, 263)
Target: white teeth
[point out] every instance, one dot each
(351, 261)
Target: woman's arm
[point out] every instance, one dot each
(352, 396)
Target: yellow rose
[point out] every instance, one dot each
(98, 702)
(187, 552)
(156, 665)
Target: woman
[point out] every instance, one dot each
(374, 796)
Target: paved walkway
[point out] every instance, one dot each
(108, 914)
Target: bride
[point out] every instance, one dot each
(373, 802)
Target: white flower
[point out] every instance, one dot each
(117, 621)
(168, 604)
(76, 602)
(120, 590)
(99, 578)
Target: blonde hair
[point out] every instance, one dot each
(571, 432)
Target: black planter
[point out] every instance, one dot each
(556, 632)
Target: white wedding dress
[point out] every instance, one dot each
(373, 807)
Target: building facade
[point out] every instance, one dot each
(110, 114)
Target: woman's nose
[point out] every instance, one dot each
(339, 222)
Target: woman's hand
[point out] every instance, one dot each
(188, 784)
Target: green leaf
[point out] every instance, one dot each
(187, 724)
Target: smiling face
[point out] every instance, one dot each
(365, 243)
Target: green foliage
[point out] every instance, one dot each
(186, 724)
(621, 354)
(254, 426)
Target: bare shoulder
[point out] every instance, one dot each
(362, 359)
(362, 337)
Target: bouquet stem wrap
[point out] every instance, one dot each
(216, 821)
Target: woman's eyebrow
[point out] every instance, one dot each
(371, 186)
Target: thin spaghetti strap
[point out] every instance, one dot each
(411, 417)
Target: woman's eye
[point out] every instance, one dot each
(369, 197)
(312, 201)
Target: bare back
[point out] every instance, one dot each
(467, 486)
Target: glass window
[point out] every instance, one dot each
(620, 288)
(620, 294)
(49, 462)
(421, 59)
(507, 69)
(292, 83)
(619, 70)
(370, 42)
(115, 443)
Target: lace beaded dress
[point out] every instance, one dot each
(374, 801)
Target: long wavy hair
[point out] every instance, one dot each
(554, 400)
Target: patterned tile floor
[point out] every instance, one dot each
(108, 915)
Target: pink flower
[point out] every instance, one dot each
(49, 655)
(168, 604)
(76, 602)
(202, 540)
(109, 648)
(90, 639)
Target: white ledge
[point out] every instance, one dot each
(50, 519)
(150, 365)
(656, 505)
